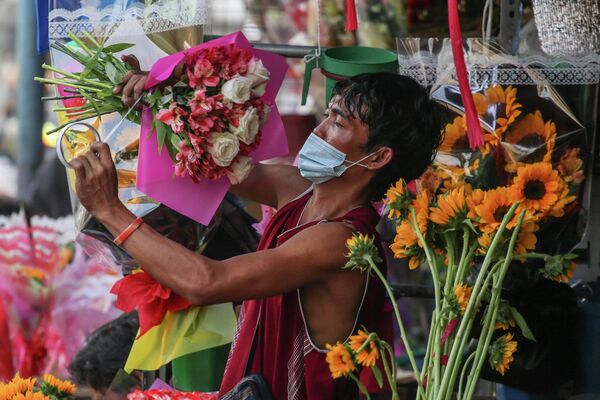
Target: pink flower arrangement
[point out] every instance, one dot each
(210, 120)
(170, 394)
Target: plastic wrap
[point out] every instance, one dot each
(527, 128)
(155, 28)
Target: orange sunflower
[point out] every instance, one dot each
(570, 166)
(501, 353)
(493, 208)
(364, 357)
(396, 199)
(537, 187)
(526, 239)
(502, 102)
(451, 207)
(65, 387)
(529, 141)
(474, 199)
(456, 140)
(31, 396)
(463, 294)
(340, 360)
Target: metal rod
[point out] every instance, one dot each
(404, 290)
(285, 50)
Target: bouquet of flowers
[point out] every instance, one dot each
(209, 118)
(169, 394)
(49, 388)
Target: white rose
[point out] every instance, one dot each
(249, 125)
(259, 91)
(224, 147)
(257, 72)
(237, 89)
(239, 170)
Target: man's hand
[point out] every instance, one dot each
(133, 84)
(96, 184)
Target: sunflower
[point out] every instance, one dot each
(529, 141)
(505, 325)
(570, 166)
(526, 239)
(501, 353)
(485, 241)
(558, 209)
(451, 208)
(474, 199)
(537, 187)
(493, 208)
(504, 315)
(16, 386)
(64, 387)
(463, 294)
(406, 239)
(364, 357)
(504, 103)
(414, 262)
(362, 249)
(340, 360)
(430, 181)
(31, 396)
(397, 200)
(456, 139)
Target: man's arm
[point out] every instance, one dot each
(313, 255)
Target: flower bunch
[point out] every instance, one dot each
(169, 394)
(209, 116)
(50, 388)
(364, 349)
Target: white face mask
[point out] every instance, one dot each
(319, 161)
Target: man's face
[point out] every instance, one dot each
(343, 131)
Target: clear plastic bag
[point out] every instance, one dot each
(526, 124)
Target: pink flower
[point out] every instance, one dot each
(201, 72)
(172, 117)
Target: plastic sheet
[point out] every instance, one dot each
(527, 127)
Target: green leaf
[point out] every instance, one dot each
(167, 99)
(522, 324)
(118, 47)
(112, 73)
(377, 375)
(171, 149)
(469, 223)
(161, 134)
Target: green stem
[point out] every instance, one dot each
(490, 323)
(462, 375)
(68, 84)
(49, 98)
(463, 256)
(80, 43)
(361, 387)
(92, 39)
(426, 361)
(449, 270)
(436, 287)
(469, 313)
(398, 319)
(391, 374)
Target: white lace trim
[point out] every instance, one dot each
(429, 61)
(159, 17)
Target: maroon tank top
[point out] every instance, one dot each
(284, 353)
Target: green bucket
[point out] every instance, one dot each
(339, 63)
(201, 371)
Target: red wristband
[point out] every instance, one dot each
(123, 236)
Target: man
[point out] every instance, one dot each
(378, 128)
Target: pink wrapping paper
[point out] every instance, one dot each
(156, 176)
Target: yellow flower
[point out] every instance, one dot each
(450, 209)
(537, 187)
(361, 250)
(456, 139)
(340, 360)
(526, 239)
(31, 396)
(463, 294)
(485, 241)
(529, 141)
(570, 166)
(364, 357)
(501, 353)
(505, 325)
(474, 199)
(414, 262)
(397, 200)
(16, 386)
(493, 208)
(503, 102)
(406, 240)
(65, 387)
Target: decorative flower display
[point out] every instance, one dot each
(49, 388)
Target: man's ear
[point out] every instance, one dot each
(381, 158)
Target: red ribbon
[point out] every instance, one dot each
(152, 299)
(449, 328)
(351, 21)
(473, 128)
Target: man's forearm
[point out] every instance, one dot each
(171, 264)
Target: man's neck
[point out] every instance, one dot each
(334, 199)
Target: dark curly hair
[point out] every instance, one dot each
(400, 115)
